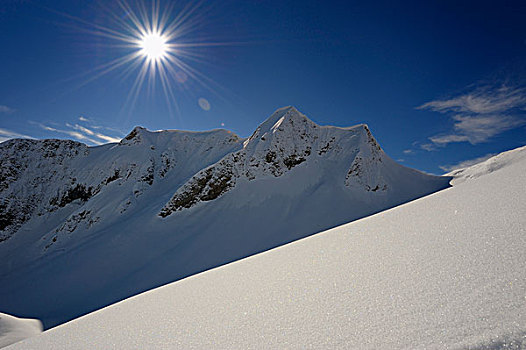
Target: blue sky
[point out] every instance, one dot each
(438, 82)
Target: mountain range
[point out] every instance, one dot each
(84, 227)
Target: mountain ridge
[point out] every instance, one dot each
(285, 140)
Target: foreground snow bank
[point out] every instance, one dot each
(13, 329)
(444, 271)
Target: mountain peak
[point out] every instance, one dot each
(284, 113)
(134, 136)
(286, 121)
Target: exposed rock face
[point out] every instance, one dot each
(134, 137)
(28, 168)
(364, 168)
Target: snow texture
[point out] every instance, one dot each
(86, 227)
(447, 271)
(13, 329)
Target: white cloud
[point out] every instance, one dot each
(74, 131)
(444, 140)
(483, 100)
(428, 147)
(82, 133)
(92, 125)
(480, 115)
(83, 129)
(96, 134)
(466, 163)
(74, 134)
(8, 134)
(47, 128)
(5, 109)
(108, 138)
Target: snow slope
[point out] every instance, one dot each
(88, 227)
(13, 329)
(492, 164)
(447, 271)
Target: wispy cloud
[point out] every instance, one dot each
(483, 100)
(81, 133)
(74, 134)
(478, 128)
(6, 109)
(428, 147)
(8, 134)
(466, 163)
(92, 124)
(480, 114)
(99, 135)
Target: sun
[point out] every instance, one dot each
(158, 43)
(153, 46)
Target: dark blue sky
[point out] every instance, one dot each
(438, 82)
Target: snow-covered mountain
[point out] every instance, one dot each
(447, 271)
(346, 159)
(83, 227)
(57, 185)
